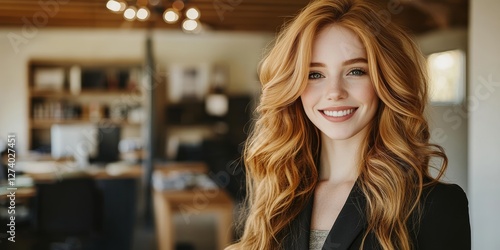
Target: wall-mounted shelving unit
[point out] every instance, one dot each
(73, 91)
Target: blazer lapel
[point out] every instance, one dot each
(348, 226)
(299, 229)
(350, 222)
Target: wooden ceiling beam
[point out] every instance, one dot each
(263, 15)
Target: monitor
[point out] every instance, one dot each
(74, 140)
(107, 145)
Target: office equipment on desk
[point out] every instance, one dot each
(108, 139)
(169, 202)
(42, 167)
(74, 140)
(51, 171)
(121, 168)
(182, 180)
(86, 143)
(131, 149)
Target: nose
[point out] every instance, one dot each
(335, 90)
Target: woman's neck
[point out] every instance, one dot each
(339, 159)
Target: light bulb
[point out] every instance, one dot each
(129, 13)
(189, 25)
(142, 14)
(193, 13)
(170, 16)
(113, 5)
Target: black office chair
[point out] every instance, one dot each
(223, 159)
(68, 214)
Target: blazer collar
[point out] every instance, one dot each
(349, 224)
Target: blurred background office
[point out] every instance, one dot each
(129, 116)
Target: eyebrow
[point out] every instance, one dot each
(347, 62)
(355, 60)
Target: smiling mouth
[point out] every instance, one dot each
(339, 113)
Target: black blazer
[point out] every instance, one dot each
(444, 223)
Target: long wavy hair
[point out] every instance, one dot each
(283, 148)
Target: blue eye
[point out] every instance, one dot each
(315, 75)
(357, 72)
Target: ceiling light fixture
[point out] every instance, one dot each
(113, 5)
(143, 10)
(142, 14)
(193, 13)
(189, 25)
(130, 13)
(171, 15)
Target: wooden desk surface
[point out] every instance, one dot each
(190, 202)
(169, 167)
(198, 199)
(54, 171)
(21, 193)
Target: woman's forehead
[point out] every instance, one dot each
(338, 40)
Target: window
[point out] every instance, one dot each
(447, 77)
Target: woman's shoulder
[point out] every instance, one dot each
(444, 194)
(444, 203)
(444, 219)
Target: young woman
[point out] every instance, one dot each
(339, 155)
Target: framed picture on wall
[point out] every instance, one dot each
(188, 81)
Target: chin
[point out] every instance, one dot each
(343, 135)
(338, 136)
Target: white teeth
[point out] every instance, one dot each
(338, 113)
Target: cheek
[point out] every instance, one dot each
(308, 99)
(366, 93)
(373, 96)
(370, 98)
(305, 97)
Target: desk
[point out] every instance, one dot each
(58, 170)
(116, 184)
(21, 193)
(51, 171)
(190, 202)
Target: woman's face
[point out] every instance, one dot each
(339, 98)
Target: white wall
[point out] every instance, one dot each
(242, 51)
(484, 123)
(448, 123)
